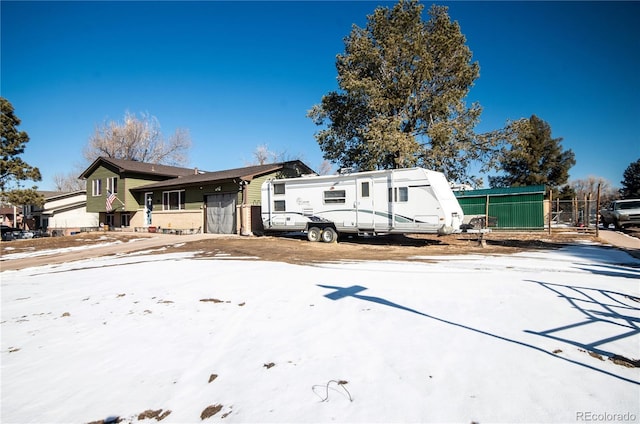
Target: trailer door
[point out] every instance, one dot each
(365, 210)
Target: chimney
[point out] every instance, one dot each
(195, 171)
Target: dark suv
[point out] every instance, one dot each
(10, 233)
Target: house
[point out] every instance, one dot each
(9, 215)
(61, 213)
(158, 197)
(512, 208)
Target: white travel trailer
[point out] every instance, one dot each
(411, 200)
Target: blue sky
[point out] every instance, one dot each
(242, 74)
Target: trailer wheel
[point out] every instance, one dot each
(329, 235)
(313, 234)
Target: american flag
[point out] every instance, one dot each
(110, 198)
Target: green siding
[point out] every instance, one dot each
(126, 182)
(514, 208)
(254, 195)
(135, 201)
(98, 203)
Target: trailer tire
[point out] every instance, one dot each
(329, 235)
(313, 234)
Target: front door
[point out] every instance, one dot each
(148, 207)
(221, 213)
(365, 211)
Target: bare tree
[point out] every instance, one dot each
(325, 168)
(68, 182)
(138, 139)
(588, 187)
(262, 155)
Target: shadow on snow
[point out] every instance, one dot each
(355, 292)
(599, 307)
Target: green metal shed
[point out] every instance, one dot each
(514, 208)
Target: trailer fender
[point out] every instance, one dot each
(445, 230)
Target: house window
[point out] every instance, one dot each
(334, 196)
(398, 194)
(173, 200)
(112, 184)
(278, 189)
(279, 206)
(364, 189)
(96, 187)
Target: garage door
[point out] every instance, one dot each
(221, 213)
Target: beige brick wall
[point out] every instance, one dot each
(178, 219)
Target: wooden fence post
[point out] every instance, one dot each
(486, 213)
(550, 209)
(598, 212)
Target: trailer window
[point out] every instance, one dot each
(398, 194)
(364, 191)
(403, 194)
(278, 189)
(334, 196)
(279, 206)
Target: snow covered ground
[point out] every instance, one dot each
(455, 339)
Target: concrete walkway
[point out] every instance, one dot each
(622, 241)
(146, 242)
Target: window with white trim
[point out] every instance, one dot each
(279, 206)
(173, 200)
(96, 187)
(112, 184)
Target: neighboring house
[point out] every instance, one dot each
(508, 208)
(62, 213)
(10, 215)
(170, 198)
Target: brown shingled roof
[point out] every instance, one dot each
(244, 174)
(139, 167)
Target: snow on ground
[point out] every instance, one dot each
(456, 339)
(58, 251)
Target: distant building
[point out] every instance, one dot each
(62, 213)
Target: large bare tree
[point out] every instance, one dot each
(68, 182)
(139, 139)
(588, 187)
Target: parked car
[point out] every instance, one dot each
(9, 233)
(621, 213)
(12, 233)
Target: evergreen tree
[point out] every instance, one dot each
(534, 158)
(631, 183)
(14, 170)
(402, 84)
